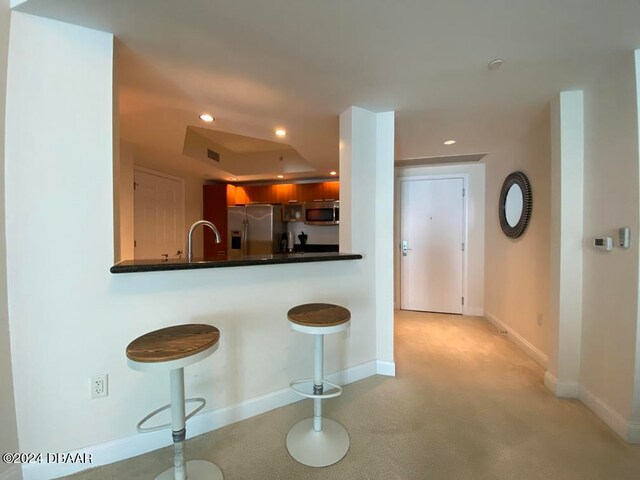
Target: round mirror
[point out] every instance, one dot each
(515, 204)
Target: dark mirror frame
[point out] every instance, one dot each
(520, 179)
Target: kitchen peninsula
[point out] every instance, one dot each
(69, 315)
(134, 266)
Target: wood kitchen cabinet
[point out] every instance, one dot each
(214, 209)
(285, 192)
(217, 197)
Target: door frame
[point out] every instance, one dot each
(183, 213)
(400, 181)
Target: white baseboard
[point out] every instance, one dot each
(634, 432)
(134, 445)
(473, 311)
(561, 389)
(629, 431)
(386, 368)
(14, 473)
(536, 354)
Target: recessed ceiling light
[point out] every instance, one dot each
(280, 176)
(333, 172)
(449, 142)
(280, 132)
(495, 64)
(206, 117)
(233, 179)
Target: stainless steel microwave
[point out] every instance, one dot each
(322, 213)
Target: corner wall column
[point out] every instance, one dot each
(367, 156)
(567, 205)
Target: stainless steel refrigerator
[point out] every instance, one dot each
(254, 229)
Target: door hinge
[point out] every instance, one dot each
(463, 192)
(462, 300)
(135, 244)
(135, 185)
(463, 246)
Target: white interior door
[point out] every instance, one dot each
(158, 216)
(432, 236)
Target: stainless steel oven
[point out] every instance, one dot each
(322, 213)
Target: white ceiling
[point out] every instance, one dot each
(243, 158)
(257, 65)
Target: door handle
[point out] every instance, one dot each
(405, 248)
(243, 239)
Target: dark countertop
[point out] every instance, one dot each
(315, 248)
(133, 266)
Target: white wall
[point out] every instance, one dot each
(318, 234)
(635, 416)
(8, 429)
(517, 270)
(382, 206)
(366, 203)
(606, 322)
(475, 184)
(567, 218)
(124, 237)
(118, 163)
(610, 287)
(70, 318)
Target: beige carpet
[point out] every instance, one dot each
(466, 404)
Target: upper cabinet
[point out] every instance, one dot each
(217, 197)
(284, 193)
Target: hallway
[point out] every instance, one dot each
(466, 404)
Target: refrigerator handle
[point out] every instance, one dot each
(243, 237)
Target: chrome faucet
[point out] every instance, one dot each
(190, 239)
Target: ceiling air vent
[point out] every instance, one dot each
(215, 156)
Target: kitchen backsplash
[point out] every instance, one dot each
(318, 234)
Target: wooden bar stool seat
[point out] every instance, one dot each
(321, 318)
(180, 342)
(171, 349)
(318, 441)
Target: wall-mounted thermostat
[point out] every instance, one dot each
(624, 237)
(603, 243)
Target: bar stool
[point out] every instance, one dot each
(317, 441)
(171, 349)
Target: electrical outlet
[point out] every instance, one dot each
(100, 386)
(540, 319)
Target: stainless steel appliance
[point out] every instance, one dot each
(322, 213)
(254, 229)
